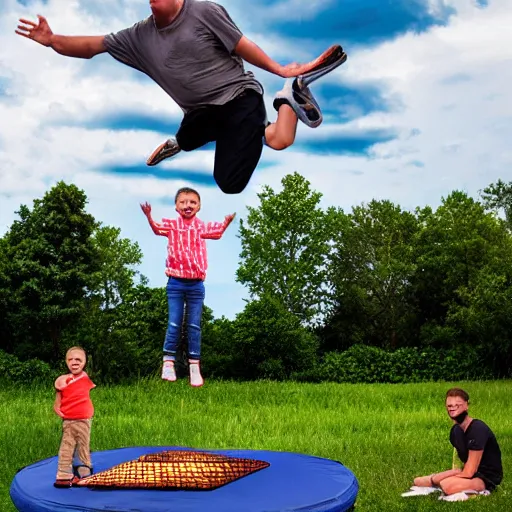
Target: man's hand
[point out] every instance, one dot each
(41, 33)
(292, 70)
(146, 208)
(80, 47)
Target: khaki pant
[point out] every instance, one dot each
(74, 448)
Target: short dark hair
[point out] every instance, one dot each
(186, 190)
(459, 393)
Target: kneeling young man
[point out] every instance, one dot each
(476, 447)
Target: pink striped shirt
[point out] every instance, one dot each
(186, 248)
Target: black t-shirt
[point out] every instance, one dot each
(478, 436)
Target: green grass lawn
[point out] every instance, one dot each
(385, 434)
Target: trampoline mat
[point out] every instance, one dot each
(293, 482)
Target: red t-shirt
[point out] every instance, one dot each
(75, 402)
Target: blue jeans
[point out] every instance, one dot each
(179, 291)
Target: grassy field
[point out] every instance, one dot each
(385, 434)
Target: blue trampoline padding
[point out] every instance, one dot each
(293, 482)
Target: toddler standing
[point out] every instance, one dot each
(73, 404)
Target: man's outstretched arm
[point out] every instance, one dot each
(82, 47)
(254, 55)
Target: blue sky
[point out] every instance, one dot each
(422, 107)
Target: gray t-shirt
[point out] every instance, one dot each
(192, 59)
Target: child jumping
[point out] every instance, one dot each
(186, 267)
(73, 404)
(194, 51)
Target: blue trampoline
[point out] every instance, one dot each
(293, 482)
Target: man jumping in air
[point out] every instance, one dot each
(194, 51)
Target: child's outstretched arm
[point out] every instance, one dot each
(215, 230)
(158, 229)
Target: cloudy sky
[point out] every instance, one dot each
(423, 106)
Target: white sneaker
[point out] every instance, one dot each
(168, 371)
(463, 495)
(302, 102)
(196, 380)
(420, 491)
(458, 496)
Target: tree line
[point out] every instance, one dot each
(377, 294)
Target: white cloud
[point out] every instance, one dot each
(463, 125)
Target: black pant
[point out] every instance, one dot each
(237, 128)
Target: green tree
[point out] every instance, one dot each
(455, 245)
(218, 338)
(108, 289)
(370, 269)
(270, 342)
(132, 346)
(7, 302)
(285, 247)
(498, 197)
(485, 316)
(116, 273)
(50, 257)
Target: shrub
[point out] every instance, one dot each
(269, 342)
(33, 371)
(366, 364)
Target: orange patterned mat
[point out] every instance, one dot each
(185, 470)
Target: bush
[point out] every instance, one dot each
(366, 364)
(33, 371)
(217, 359)
(269, 342)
